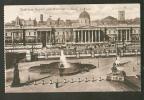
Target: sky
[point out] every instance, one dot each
(96, 11)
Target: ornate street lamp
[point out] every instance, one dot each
(116, 46)
(136, 51)
(16, 78)
(23, 30)
(98, 54)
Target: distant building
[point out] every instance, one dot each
(84, 18)
(82, 30)
(41, 17)
(18, 21)
(30, 22)
(50, 22)
(68, 23)
(109, 20)
(121, 15)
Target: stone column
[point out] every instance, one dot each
(95, 31)
(64, 37)
(92, 36)
(50, 37)
(74, 36)
(85, 36)
(99, 35)
(78, 36)
(36, 36)
(88, 36)
(24, 41)
(130, 32)
(121, 34)
(81, 36)
(12, 38)
(126, 35)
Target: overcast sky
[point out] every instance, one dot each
(96, 11)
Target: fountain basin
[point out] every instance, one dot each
(55, 69)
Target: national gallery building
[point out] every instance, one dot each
(82, 32)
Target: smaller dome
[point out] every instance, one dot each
(84, 14)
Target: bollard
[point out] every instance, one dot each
(56, 84)
(86, 80)
(79, 80)
(35, 83)
(100, 79)
(72, 80)
(134, 69)
(93, 79)
(65, 81)
(43, 82)
(29, 78)
(51, 82)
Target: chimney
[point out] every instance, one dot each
(41, 17)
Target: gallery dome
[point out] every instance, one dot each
(84, 14)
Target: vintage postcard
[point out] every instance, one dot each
(72, 48)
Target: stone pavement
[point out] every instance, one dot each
(99, 75)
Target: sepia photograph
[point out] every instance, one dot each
(72, 48)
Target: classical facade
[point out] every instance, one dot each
(83, 34)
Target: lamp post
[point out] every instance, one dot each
(116, 46)
(32, 53)
(98, 53)
(136, 51)
(16, 78)
(23, 30)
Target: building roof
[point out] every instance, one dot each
(109, 18)
(84, 14)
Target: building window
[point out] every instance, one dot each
(128, 36)
(16, 34)
(29, 33)
(5, 34)
(134, 31)
(109, 31)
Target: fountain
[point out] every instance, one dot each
(63, 60)
(63, 67)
